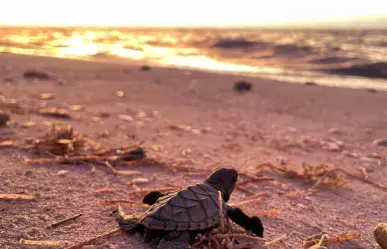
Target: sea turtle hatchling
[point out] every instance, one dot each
(176, 217)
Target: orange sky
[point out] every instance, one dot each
(183, 12)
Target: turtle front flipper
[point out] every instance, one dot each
(152, 197)
(253, 224)
(175, 240)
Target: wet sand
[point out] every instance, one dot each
(276, 121)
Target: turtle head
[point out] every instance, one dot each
(224, 180)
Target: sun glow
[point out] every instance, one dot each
(183, 13)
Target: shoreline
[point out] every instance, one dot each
(327, 80)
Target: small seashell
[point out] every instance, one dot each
(196, 131)
(120, 94)
(61, 172)
(125, 117)
(46, 96)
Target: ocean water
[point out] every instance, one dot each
(346, 58)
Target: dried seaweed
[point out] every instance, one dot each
(114, 202)
(266, 213)
(144, 191)
(252, 199)
(340, 238)
(63, 221)
(89, 241)
(256, 179)
(46, 96)
(61, 140)
(323, 174)
(36, 243)
(16, 197)
(75, 156)
(55, 113)
(11, 105)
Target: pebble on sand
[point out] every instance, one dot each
(4, 118)
(145, 68)
(242, 86)
(380, 142)
(35, 74)
(125, 117)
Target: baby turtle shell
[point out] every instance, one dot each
(192, 208)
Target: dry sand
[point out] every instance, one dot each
(261, 122)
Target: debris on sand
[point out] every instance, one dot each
(311, 174)
(55, 112)
(144, 191)
(91, 240)
(115, 202)
(122, 172)
(45, 243)
(310, 242)
(63, 145)
(28, 124)
(242, 86)
(35, 74)
(16, 197)
(11, 105)
(380, 142)
(380, 234)
(9, 144)
(77, 108)
(125, 117)
(266, 213)
(232, 146)
(180, 127)
(4, 118)
(371, 90)
(63, 221)
(310, 83)
(127, 155)
(321, 175)
(139, 180)
(46, 96)
(62, 172)
(120, 94)
(61, 140)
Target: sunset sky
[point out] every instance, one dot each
(185, 12)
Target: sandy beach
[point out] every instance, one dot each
(188, 119)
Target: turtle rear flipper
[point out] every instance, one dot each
(128, 225)
(175, 240)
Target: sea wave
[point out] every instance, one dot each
(230, 43)
(332, 60)
(372, 70)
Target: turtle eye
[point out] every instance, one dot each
(234, 178)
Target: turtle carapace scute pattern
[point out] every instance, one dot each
(194, 208)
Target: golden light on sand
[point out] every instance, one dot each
(183, 13)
